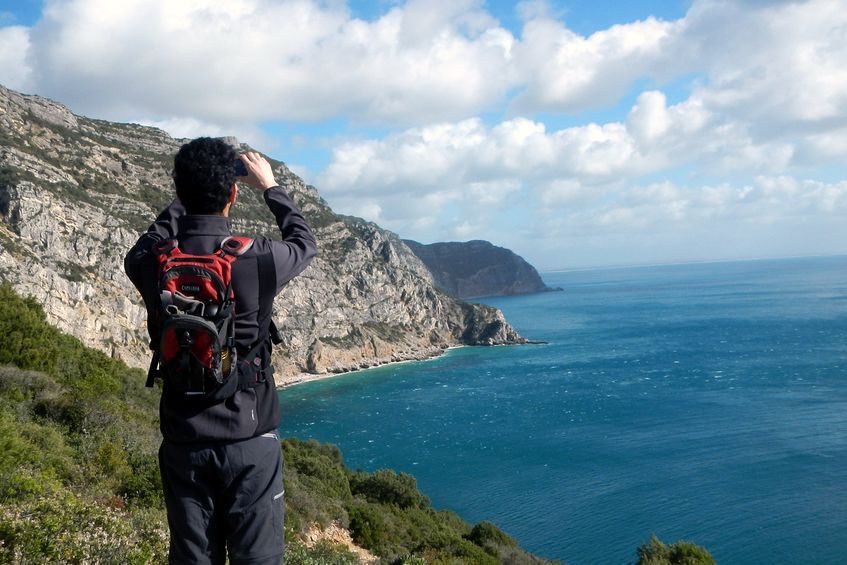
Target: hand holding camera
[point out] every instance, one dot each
(253, 169)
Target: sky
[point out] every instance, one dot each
(577, 133)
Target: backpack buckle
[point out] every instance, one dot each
(236, 246)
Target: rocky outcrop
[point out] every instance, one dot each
(76, 192)
(477, 268)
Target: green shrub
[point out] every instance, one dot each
(366, 525)
(388, 487)
(316, 486)
(320, 462)
(655, 552)
(23, 342)
(486, 534)
(459, 551)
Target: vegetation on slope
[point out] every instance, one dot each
(79, 479)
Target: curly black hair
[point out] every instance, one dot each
(204, 174)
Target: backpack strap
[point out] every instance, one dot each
(153, 371)
(258, 365)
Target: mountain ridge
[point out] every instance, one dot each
(469, 269)
(75, 193)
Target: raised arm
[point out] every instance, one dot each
(298, 245)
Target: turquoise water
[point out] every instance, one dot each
(705, 402)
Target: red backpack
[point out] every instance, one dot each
(195, 349)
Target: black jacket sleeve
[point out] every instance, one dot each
(298, 246)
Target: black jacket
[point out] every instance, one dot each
(257, 276)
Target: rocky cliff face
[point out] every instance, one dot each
(75, 193)
(477, 268)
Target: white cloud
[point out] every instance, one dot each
(187, 128)
(523, 186)
(564, 71)
(465, 153)
(567, 192)
(559, 166)
(184, 127)
(15, 71)
(779, 67)
(255, 60)
(667, 207)
(659, 222)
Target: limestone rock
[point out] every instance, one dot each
(75, 194)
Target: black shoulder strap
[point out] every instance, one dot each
(267, 287)
(267, 290)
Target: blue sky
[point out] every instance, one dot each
(577, 133)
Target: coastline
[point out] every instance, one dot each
(288, 381)
(302, 378)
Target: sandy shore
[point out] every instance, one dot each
(300, 378)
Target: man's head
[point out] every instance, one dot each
(204, 175)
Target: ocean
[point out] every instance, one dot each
(705, 402)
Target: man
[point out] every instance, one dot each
(220, 457)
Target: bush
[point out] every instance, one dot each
(320, 462)
(387, 487)
(316, 485)
(486, 534)
(366, 526)
(29, 342)
(460, 551)
(655, 552)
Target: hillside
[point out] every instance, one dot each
(477, 268)
(75, 193)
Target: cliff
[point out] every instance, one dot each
(477, 268)
(76, 192)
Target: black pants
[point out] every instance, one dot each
(224, 498)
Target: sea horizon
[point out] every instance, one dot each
(682, 262)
